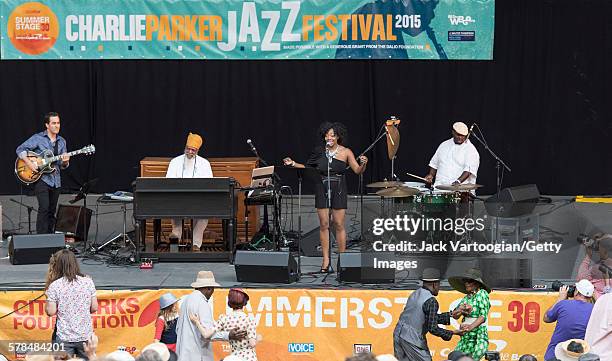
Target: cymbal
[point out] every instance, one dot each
(398, 192)
(385, 184)
(458, 187)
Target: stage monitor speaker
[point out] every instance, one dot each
(359, 267)
(500, 273)
(34, 248)
(73, 221)
(311, 244)
(265, 267)
(513, 201)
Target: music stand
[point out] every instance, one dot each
(312, 175)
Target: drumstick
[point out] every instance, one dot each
(417, 177)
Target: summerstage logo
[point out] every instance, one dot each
(33, 28)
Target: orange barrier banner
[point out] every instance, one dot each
(296, 324)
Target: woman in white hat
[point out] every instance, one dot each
(475, 340)
(165, 326)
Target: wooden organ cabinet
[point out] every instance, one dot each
(238, 168)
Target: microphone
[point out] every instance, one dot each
(253, 149)
(470, 131)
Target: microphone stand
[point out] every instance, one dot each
(499, 172)
(500, 164)
(361, 188)
(330, 268)
(277, 234)
(30, 209)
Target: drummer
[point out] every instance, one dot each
(456, 160)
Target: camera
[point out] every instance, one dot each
(571, 289)
(588, 241)
(492, 355)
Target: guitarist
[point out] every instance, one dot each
(47, 188)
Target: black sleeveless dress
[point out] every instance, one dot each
(319, 160)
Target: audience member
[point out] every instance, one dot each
(72, 298)
(165, 326)
(366, 356)
(119, 355)
(190, 346)
(149, 355)
(599, 329)
(571, 316)
(160, 348)
(571, 350)
(237, 320)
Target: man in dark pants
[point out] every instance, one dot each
(420, 316)
(47, 188)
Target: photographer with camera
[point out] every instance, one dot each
(572, 316)
(600, 272)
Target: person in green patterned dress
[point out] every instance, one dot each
(475, 340)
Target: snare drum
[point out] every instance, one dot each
(438, 201)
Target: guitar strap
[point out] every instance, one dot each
(56, 148)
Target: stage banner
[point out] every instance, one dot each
(296, 324)
(236, 29)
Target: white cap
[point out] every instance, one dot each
(585, 287)
(120, 356)
(160, 348)
(386, 357)
(461, 128)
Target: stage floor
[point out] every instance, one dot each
(561, 221)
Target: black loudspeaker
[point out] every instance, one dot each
(34, 248)
(265, 267)
(311, 244)
(73, 221)
(500, 273)
(513, 202)
(359, 267)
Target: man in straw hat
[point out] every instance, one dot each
(190, 165)
(420, 316)
(190, 345)
(456, 160)
(571, 316)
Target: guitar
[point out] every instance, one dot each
(45, 162)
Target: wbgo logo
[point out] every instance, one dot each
(460, 19)
(33, 28)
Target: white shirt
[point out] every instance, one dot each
(183, 167)
(451, 160)
(190, 346)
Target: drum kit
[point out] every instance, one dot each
(423, 198)
(395, 189)
(417, 200)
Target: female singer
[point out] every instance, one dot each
(335, 156)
